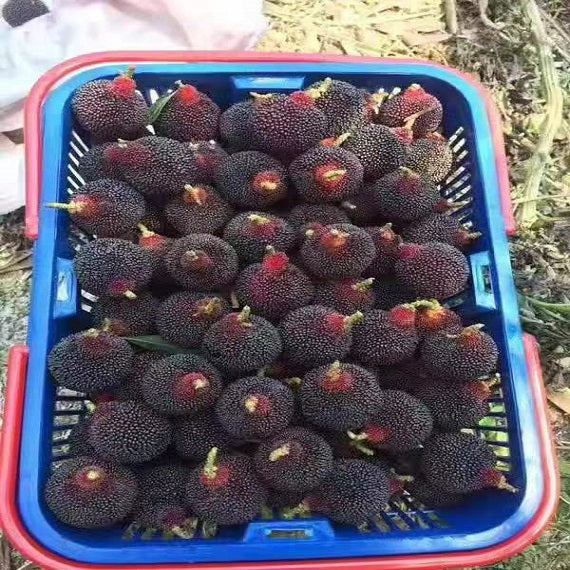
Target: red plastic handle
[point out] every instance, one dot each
(38, 94)
(18, 535)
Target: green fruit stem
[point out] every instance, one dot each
(364, 285)
(211, 465)
(352, 320)
(72, 207)
(280, 452)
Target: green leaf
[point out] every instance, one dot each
(565, 469)
(158, 106)
(155, 342)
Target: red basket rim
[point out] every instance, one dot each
(39, 92)
(19, 537)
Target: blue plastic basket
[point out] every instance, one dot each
(406, 528)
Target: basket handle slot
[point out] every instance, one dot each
(314, 529)
(265, 84)
(484, 296)
(65, 304)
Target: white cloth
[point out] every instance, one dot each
(75, 27)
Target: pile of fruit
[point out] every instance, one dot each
(296, 269)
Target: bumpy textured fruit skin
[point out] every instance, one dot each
(315, 335)
(235, 126)
(165, 481)
(157, 167)
(280, 499)
(198, 210)
(296, 460)
(354, 491)
(93, 165)
(406, 376)
(343, 104)
(287, 125)
(390, 293)
(458, 462)
(378, 149)
(339, 397)
(240, 342)
(387, 244)
(337, 251)
(254, 408)
(128, 432)
(233, 495)
(347, 295)
(433, 270)
(396, 110)
(195, 435)
(130, 389)
(86, 492)
(77, 439)
(439, 227)
(431, 317)
(164, 515)
(462, 357)
(404, 195)
(202, 262)
(251, 232)
(208, 156)
(455, 406)
(431, 156)
(184, 317)
(90, 361)
(126, 317)
(386, 337)
(326, 174)
(18, 12)
(274, 287)
(111, 266)
(188, 115)
(302, 216)
(181, 384)
(105, 207)
(360, 208)
(401, 423)
(433, 497)
(111, 110)
(251, 179)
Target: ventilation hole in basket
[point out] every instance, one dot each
(85, 307)
(455, 135)
(60, 435)
(84, 148)
(76, 151)
(75, 184)
(73, 159)
(381, 525)
(454, 175)
(437, 521)
(75, 176)
(399, 522)
(60, 451)
(461, 156)
(69, 406)
(152, 96)
(457, 146)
